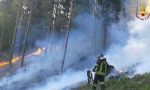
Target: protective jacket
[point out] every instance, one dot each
(101, 67)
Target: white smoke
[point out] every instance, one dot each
(60, 82)
(130, 47)
(135, 51)
(129, 50)
(134, 55)
(45, 68)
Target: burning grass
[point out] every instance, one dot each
(4, 58)
(4, 63)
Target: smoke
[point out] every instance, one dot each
(134, 54)
(60, 82)
(128, 50)
(136, 50)
(42, 72)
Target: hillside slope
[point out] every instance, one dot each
(139, 82)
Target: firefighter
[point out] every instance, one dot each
(100, 58)
(90, 77)
(100, 70)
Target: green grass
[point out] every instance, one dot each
(139, 82)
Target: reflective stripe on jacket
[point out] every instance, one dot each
(101, 69)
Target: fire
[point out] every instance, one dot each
(38, 51)
(2, 64)
(16, 59)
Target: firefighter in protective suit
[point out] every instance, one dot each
(100, 70)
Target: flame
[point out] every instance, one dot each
(38, 51)
(16, 59)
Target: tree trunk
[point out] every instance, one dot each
(94, 31)
(67, 35)
(15, 32)
(1, 39)
(27, 34)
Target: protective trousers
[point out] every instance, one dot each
(98, 78)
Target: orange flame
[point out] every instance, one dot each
(16, 59)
